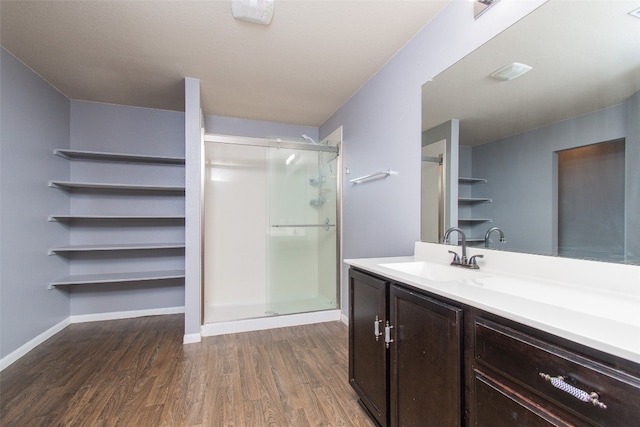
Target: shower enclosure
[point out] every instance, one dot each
(270, 228)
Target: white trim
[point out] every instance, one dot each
(82, 318)
(115, 315)
(344, 318)
(206, 330)
(31, 344)
(262, 323)
(191, 338)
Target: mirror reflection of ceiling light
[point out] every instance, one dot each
(511, 71)
(635, 13)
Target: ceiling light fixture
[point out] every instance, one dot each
(256, 11)
(511, 71)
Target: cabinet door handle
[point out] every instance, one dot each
(387, 334)
(376, 328)
(559, 383)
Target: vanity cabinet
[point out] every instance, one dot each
(519, 378)
(405, 357)
(415, 360)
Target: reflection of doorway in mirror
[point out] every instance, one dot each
(591, 187)
(432, 227)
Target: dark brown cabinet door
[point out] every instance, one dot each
(367, 352)
(426, 360)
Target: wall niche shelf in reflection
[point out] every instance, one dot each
(467, 180)
(471, 200)
(469, 223)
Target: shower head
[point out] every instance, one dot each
(309, 139)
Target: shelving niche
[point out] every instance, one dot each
(103, 252)
(466, 219)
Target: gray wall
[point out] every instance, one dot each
(116, 128)
(521, 176)
(34, 120)
(382, 129)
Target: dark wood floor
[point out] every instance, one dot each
(136, 372)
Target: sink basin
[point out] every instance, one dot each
(520, 288)
(435, 272)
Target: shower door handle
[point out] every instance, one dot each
(326, 225)
(302, 225)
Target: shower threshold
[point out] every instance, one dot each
(257, 317)
(232, 312)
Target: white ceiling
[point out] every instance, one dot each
(301, 69)
(585, 57)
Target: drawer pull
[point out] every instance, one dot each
(559, 383)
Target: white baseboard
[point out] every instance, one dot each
(191, 338)
(33, 343)
(262, 323)
(205, 330)
(82, 318)
(115, 315)
(344, 319)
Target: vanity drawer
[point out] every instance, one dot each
(522, 359)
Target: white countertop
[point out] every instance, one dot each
(602, 313)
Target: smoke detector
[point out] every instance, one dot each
(256, 11)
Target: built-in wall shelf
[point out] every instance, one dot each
(117, 157)
(470, 224)
(471, 200)
(471, 240)
(464, 180)
(104, 255)
(115, 247)
(138, 276)
(474, 220)
(70, 186)
(99, 218)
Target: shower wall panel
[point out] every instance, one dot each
(235, 238)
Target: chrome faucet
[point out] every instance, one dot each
(488, 233)
(461, 260)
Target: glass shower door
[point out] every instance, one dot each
(302, 231)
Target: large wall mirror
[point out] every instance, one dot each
(552, 157)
